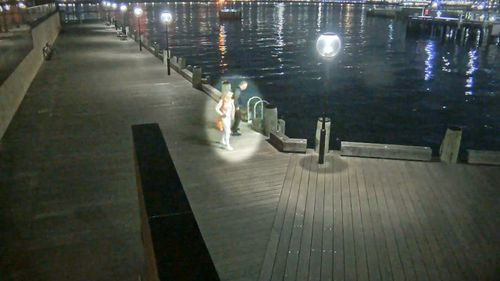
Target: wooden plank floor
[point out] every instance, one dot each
(374, 219)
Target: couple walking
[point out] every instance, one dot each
(228, 109)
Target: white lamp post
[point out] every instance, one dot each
(328, 46)
(167, 18)
(138, 14)
(123, 9)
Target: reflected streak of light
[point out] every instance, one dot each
(320, 13)
(472, 64)
(429, 49)
(348, 18)
(391, 31)
(446, 66)
(279, 26)
(222, 47)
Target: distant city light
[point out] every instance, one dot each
(166, 17)
(123, 8)
(137, 11)
(328, 45)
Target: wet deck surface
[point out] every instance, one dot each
(69, 204)
(374, 219)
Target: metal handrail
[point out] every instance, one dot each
(249, 112)
(261, 108)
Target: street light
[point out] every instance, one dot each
(138, 13)
(123, 9)
(167, 18)
(328, 46)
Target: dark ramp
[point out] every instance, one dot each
(173, 245)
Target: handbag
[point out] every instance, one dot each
(218, 121)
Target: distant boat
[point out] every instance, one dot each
(230, 14)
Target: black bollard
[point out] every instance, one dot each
(322, 139)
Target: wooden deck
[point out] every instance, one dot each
(373, 219)
(70, 203)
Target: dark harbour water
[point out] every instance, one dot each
(383, 87)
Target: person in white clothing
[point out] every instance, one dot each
(225, 108)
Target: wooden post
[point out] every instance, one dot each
(182, 62)
(270, 119)
(281, 126)
(226, 87)
(450, 147)
(197, 77)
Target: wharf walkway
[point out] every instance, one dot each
(68, 197)
(69, 204)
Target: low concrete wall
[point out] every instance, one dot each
(13, 89)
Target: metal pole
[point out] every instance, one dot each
(322, 139)
(322, 136)
(140, 37)
(5, 27)
(168, 48)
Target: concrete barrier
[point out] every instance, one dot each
(487, 157)
(211, 91)
(389, 151)
(14, 88)
(187, 74)
(285, 144)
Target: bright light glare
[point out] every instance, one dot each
(434, 5)
(7, 7)
(137, 11)
(328, 45)
(114, 5)
(166, 17)
(21, 5)
(123, 8)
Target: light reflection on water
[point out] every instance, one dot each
(384, 87)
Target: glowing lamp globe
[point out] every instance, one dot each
(328, 45)
(137, 12)
(166, 17)
(123, 8)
